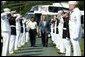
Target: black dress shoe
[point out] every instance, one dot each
(60, 53)
(43, 45)
(31, 46)
(46, 46)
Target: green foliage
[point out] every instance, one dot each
(81, 5)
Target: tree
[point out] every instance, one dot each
(81, 5)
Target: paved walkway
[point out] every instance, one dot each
(39, 50)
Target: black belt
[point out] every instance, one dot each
(53, 30)
(21, 29)
(13, 31)
(57, 31)
(66, 33)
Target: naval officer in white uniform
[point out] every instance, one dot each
(60, 27)
(5, 31)
(57, 38)
(66, 35)
(26, 21)
(13, 32)
(18, 28)
(22, 34)
(75, 27)
(52, 30)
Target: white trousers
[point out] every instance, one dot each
(76, 47)
(52, 34)
(61, 44)
(22, 37)
(6, 39)
(53, 37)
(57, 41)
(27, 36)
(21, 40)
(17, 39)
(62, 48)
(67, 46)
(12, 42)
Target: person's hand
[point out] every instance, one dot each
(65, 15)
(75, 39)
(1, 40)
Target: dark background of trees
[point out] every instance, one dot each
(24, 6)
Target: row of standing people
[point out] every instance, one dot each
(66, 30)
(16, 30)
(13, 31)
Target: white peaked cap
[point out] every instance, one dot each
(18, 14)
(6, 10)
(60, 11)
(73, 2)
(14, 15)
(13, 11)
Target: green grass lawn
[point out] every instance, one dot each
(26, 50)
(82, 47)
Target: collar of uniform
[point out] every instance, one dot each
(74, 9)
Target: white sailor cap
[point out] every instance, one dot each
(6, 10)
(73, 2)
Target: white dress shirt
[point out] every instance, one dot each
(44, 23)
(32, 25)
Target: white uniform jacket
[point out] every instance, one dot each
(75, 23)
(4, 22)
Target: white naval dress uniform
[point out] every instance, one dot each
(57, 39)
(66, 37)
(27, 31)
(75, 29)
(18, 28)
(53, 32)
(22, 34)
(13, 35)
(60, 27)
(5, 32)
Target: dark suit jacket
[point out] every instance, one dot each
(45, 28)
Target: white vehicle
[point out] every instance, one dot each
(46, 10)
(51, 10)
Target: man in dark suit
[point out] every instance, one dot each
(45, 29)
